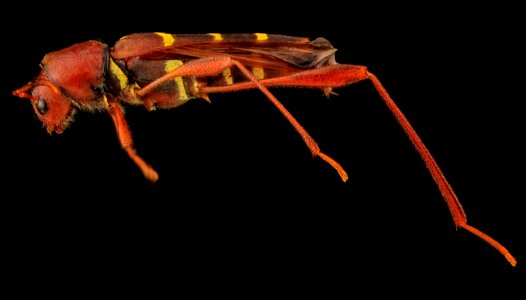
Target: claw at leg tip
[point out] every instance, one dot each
(152, 176)
(344, 176)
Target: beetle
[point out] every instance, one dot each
(163, 71)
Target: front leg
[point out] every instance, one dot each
(125, 139)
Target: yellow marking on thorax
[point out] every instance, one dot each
(171, 65)
(227, 74)
(115, 70)
(217, 36)
(168, 39)
(261, 36)
(258, 72)
(105, 100)
(134, 89)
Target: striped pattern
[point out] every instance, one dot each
(261, 36)
(168, 39)
(171, 65)
(119, 74)
(227, 76)
(175, 39)
(258, 72)
(139, 44)
(216, 36)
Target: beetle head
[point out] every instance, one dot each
(51, 106)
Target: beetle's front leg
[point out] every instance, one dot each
(125, 139)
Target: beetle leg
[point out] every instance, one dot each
(309, 141)
(457, 212)
(125, 139)
(214, 65)
(341, 75)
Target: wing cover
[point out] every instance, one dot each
(272, 52)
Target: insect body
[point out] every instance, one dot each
(160, 70)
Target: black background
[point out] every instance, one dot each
(239, 196)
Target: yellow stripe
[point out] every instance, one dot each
(168, 39)
(171, 65)
(196, 86)
(217, 36)
(261, 36)
(258, 72)
(227, 74)
(115, 70)
(105, 100)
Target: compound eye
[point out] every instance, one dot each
(42, 106)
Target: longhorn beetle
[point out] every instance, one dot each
(161, 70)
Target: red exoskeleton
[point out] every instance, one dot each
(162, 71)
